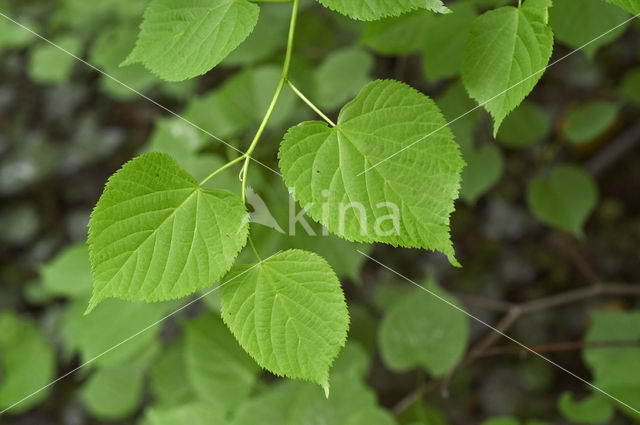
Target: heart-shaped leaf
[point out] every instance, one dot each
(289, 313)
(565, 200)
(389, 171)
(483, 170)
(156, 235)
(506, 54)
(180, 40)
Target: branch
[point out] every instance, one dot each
(559, 346)
(513, 313)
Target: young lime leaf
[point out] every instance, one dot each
(388, 172)
(50, 65)
(79, 331)
(398, 35)
(341, 75)
(192, 413)
(528, 123)
(421, 330)
(27, 364)
(446, 35)
(506, 53)
(371, 10)
(289, 313)
(595, 409)
(181, 40)
(588, 121)
(219, 371)
(615, 369)
(565, 200)
(484, 169)
(156, 235)
(586, 24)
(69, 273)
(629, 88)
(632, 6)
(115, 392)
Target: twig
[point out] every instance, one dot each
(513, 313)
(615, 150)
(559, 346)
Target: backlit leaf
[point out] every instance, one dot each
(506, 53)
(156, 235)
(371, 10)
(376, 176)
(289, 313)
(180, 40)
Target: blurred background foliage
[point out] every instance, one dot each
(550, 206)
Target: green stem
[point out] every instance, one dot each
(274, 100)
(310, 104)
(224, 167)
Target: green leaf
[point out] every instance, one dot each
(400, 35)
(595, 409)
(176, 137)
(565, 200)
(444, 41)
(341, 76)
(169, 375)
(629, 88)
(288, 312)
(371, 10)
(220, 372)
(422, 330)
(156, 235)
(586, 122)
(269, 35)
(193, 413)
(484, 169)
(50, 65)
(12, 36)
(181, 40)
(528, 123)
(285, 232)
(374, 415)
(506, 54)
(27, 364)
(241, 102)
(631, 5)
(69, 273)
(115, 392)
(107, 53)
(615, 369)
(587, 24)
(458, 110)
(406, 198)
(79, 331)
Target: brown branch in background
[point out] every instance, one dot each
(555, 347)
(567, 248)
(512, 314)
